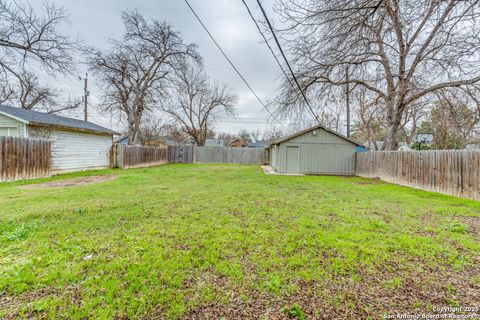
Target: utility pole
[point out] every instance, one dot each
(347, 100)
(86, 93)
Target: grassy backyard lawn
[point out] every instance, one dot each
(228, 242)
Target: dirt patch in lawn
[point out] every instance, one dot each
(75, 182)
(473, 224)
(389, 291)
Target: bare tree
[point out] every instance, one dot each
(256, 135)
(26, 38)
(135, 71)
(195, 103)
(151, 128)
(32, 94)
(400, 51)
(245, 136)
(450, 130)
(370, 120)
(227, 137)
(414, 113)
(177, 133)
(273, 134)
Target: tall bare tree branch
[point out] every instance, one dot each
(136, 71)
(27, 39)
(399, 51)
(195, 103)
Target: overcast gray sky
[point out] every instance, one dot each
(228, 21)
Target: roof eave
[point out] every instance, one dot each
(41, 124)
(6, 114)
(318, 126)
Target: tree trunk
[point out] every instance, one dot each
(132, 133)
(391, 140)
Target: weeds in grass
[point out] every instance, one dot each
(394, 283)
(12, 231)
(294, 312)
(457, 227)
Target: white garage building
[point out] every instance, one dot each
(76, 144)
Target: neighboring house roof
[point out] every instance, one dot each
(237, 143)
(257, 144)
(45, 119)
(311, 129)
(214, 142)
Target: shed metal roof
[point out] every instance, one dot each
(45, 119)
(319, 126)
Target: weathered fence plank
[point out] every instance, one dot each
(450, 172)
(137, 156)
(180, 154)
(22, 159)
(229, 155)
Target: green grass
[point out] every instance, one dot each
(218, 240)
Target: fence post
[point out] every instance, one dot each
(462, 169)
(119, 156)
(113, 156)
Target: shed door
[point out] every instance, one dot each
(292, 159)
(79, 151)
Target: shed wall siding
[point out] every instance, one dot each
(274, 152)
(323, 153)
(10, 122)
(79, 151)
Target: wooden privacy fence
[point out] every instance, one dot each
(229, 155)
(180, 154)
(137, 156)
(123, 156)
(24, 159)
(450, 172)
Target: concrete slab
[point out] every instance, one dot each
(271, 170)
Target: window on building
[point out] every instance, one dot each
(9, 131)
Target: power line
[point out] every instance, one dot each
(266, 42)
(286, 60)
(228, 59)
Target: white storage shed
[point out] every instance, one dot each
(76, 144)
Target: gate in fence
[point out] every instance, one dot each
(180, 154)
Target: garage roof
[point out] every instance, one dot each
(311, 129)
(45, 119)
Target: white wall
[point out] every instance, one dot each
(73, 150)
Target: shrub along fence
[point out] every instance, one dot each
(450, 172)
(137, 156)
(24, 159)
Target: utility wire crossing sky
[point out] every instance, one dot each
(228, 23)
